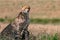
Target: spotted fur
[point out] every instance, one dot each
(20, 23)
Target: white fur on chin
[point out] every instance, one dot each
(26, 11)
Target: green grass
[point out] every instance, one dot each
(42, 21)
(45, 21)
(6, 20)
(37, 20)
(43, 36)
(2, 20)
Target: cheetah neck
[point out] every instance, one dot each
(24, 16)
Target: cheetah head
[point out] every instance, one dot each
(25, 9)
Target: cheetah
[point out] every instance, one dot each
(19, 26)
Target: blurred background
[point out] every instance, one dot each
(39, 8)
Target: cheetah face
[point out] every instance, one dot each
(26, 9)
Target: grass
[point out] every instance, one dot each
(46, 21)
(43, 21)
(2, 20)
(45, 37)
(6, 20)
(37, 20)
(38, 37)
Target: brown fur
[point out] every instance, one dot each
(20, 23)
